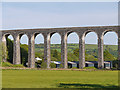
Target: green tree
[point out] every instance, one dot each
(52, 65)
(4, 52)
(10, 50)
(76, 52)
(55, 53)
(24, 53)
(108, 56)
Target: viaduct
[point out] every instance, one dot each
(64, 32)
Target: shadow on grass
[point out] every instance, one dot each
(78, 85)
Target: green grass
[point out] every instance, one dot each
(59, 79)
(7, 64)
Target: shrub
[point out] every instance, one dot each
(43, 65)
(89, 68)
(7, 64)
(74, 67)
(18, 65)
(61, 66)
(115, 64)
(52, 65)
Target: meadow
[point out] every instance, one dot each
(59, 79)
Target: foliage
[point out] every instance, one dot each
(74, 68)
(55, 55)
(24, 53)
(8, 64)
(43, 64)
(115, 64)
(108, 56)
(52, 65)
(61, 66)
(10, 50)
(89, 68)
(4, 52)
(72, 57)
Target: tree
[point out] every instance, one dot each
(108, 56)
(76, 52)
(55, 53)
(24, 54)
(4, 52)
(10, 50)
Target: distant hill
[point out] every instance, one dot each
(89, 48)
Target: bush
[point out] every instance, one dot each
(61, 66)
(43, 65)
(115, 64)
(52, 65)
(7, 64)
(18, 65)
(74, 68)
(89, 68)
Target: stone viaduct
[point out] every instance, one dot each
(64, 32)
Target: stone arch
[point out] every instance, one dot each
(72, 48)
(69, 32)
(39, 47)
(23, 48)
(55, 46)
(25, 35)
(88, 31)
(109, 30)
(6, 35)
(91, 54)
(6, 48)
(52, 35)
(107, 39)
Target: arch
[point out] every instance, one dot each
(24, 48)
(37, 36)
(72, 49)
(74, 35)
(91, 47)
(39, 48)
(55, 45)
(69, 32)
(8, 41)
(110, 40)
(24, 39)
(86, 32)
(55, 36)
(109, 30)
(90, 37)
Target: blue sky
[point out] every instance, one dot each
(44, 15)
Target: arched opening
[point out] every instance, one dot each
(39, 50)
(73, 50)
(7, 53)
(24, 49)
(91, 49)
(55, 50)
(110, 49)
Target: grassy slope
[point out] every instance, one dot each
(61, 79)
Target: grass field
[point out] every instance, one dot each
(59, 79)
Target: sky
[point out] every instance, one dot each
(61, 14)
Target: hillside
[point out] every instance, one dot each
(91, 50)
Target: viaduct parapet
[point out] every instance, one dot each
(64, 32)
